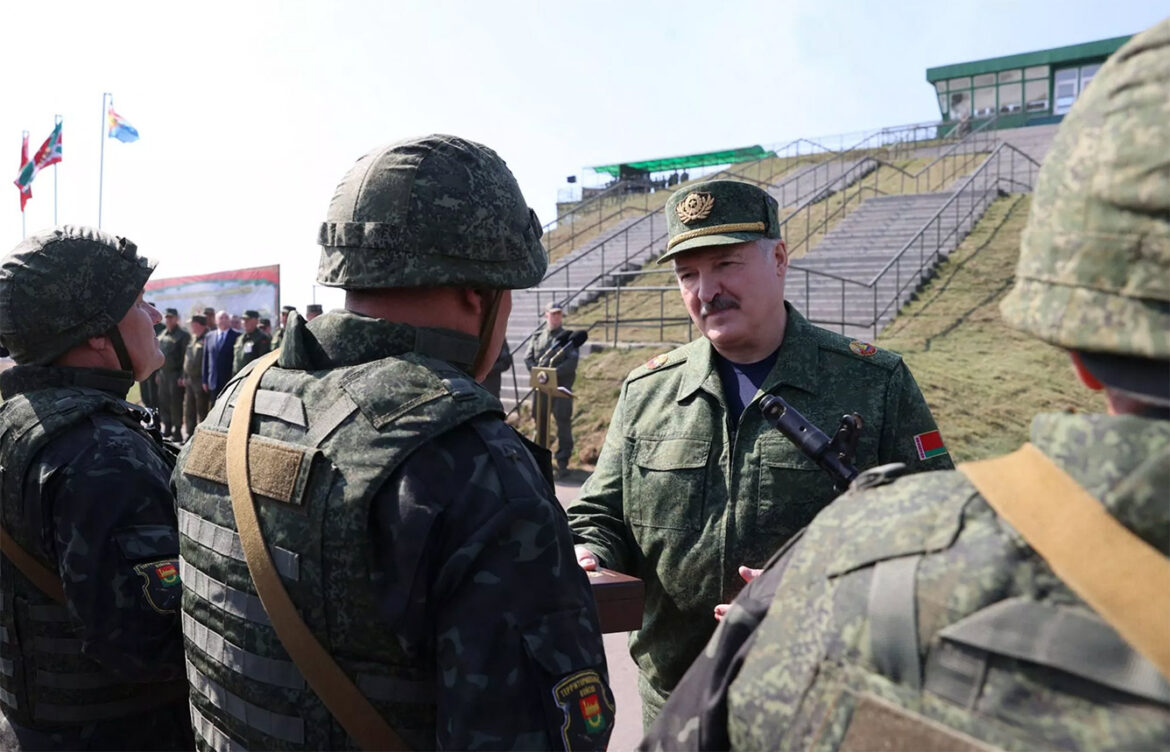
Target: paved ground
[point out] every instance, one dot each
(623, 675)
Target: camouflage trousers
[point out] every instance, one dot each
(195, 406)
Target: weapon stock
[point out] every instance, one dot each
(834, 456)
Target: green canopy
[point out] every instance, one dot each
(666, 164)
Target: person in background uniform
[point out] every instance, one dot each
(89, 631)
(251, 344)
(312, 311)
(195, 396)
(692, 483)
(173, 342)
(148, 389)
(547, 344)
(266, 327)
(279, 335)
(425, 550)
(502, 363)
(917, 615)
(217, 356)
(209, 314)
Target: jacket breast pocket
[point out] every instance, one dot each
(668, 479)
(792, 491)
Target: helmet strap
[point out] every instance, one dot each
(115, 337)
(487, 327)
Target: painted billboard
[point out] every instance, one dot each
(233, 291)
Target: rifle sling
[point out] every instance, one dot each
(45, 579)
(1122, 578)
(341, 696)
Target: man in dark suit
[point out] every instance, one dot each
(217, 355)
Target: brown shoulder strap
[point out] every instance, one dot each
(340, 695)
(46, 580)
(1124, 579)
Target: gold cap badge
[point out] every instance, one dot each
(695, 206)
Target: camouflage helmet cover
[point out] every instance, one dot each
(1094, 268)
(60, 287)
(433, 211)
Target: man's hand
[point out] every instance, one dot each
(747, 573)
(586, 558)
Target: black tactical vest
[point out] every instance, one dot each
(323, 443)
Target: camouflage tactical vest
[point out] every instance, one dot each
(323, 443)
(44, 678)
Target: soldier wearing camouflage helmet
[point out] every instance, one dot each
(1022, 602)
(89, 630)
(422, 556)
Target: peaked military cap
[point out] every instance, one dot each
(199, 318)
(314, 308)
(288, 308)
(173, 312)
(718, 212)
(251, 314)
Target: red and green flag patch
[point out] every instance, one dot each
(929, 444)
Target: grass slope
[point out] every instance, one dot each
(983, 380)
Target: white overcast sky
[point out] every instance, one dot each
(250, 112)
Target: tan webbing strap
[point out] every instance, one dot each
(46, 580)
(1124, 579)
(340, 695)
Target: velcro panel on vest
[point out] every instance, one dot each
(276, 469)
(878, 725)
(1071, 640)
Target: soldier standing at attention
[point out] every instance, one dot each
(408, 579)
(1022, 602)
(693, 484)
(547, 343)
(173, 342)
(196, 397)
(251, 344)
(89, 631)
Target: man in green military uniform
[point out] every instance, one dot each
(196, 399)
(173, 341)
(1022, 602)
(416, 546)
(692, 484)
(279, 334)
(251, 344)
(551, 347)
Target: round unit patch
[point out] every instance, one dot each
(864, 349)
(657, 361)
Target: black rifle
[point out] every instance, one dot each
(835, 456)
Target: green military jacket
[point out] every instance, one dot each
(248, 347)
(681, 497)
(915, 604)
(193, 364)
(174, 348)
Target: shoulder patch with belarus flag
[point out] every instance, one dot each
(929, 444)
(162, 586)
(588, 711)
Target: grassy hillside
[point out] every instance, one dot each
(983, 380)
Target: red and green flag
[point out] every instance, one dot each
(50, 151)
(929, 444)
(28, 171)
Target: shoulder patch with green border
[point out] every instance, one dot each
(161, 585)
(929, 444)
(587, 708)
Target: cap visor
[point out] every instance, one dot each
(705, 241)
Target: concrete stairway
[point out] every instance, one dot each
(835, 275)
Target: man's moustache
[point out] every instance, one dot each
(718, 303)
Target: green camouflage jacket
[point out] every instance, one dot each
(248, 347)
(1007, 654)
(174, 348)
(681, 499)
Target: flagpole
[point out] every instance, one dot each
(24, 150)
(56, 122)
(102, 163)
